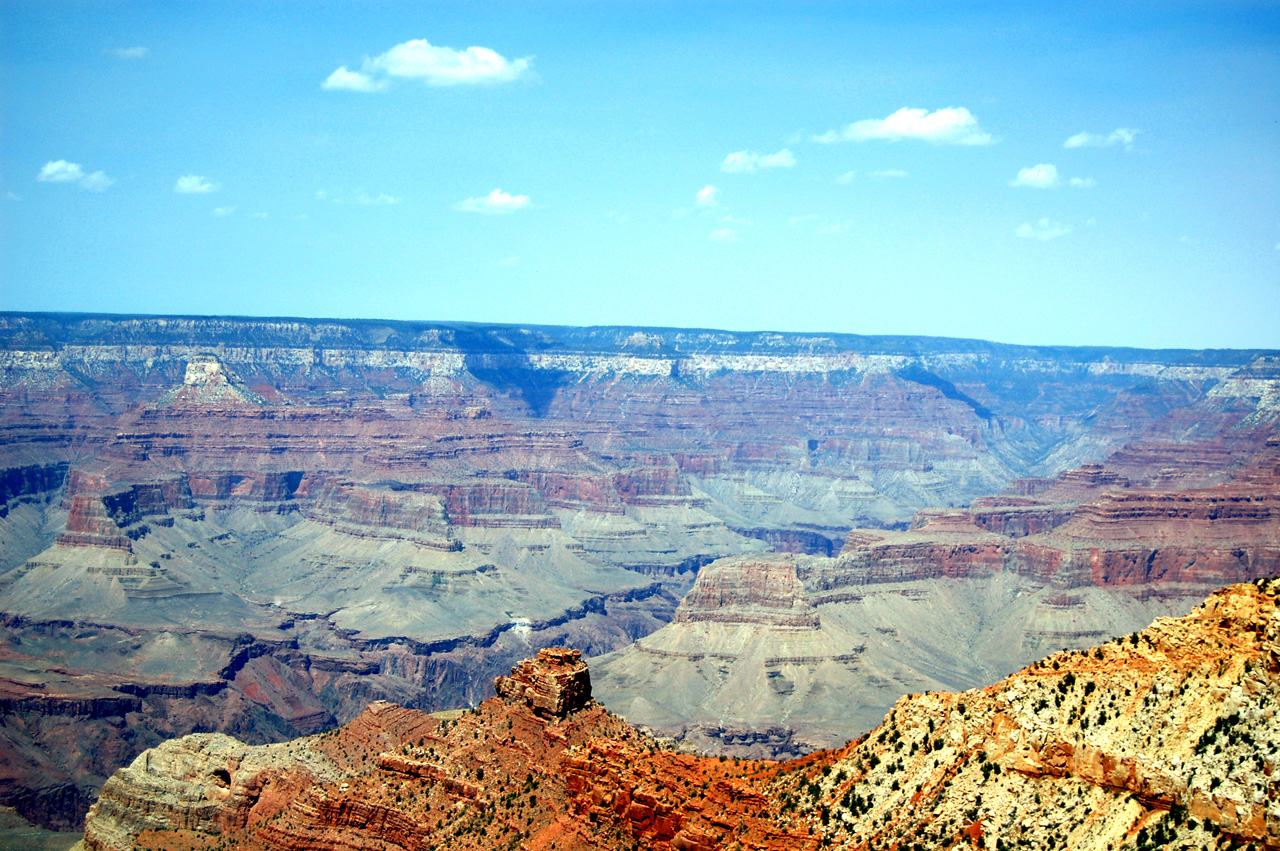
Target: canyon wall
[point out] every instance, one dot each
(259, 526)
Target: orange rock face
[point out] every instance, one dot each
(552, 685)
(1167, 736)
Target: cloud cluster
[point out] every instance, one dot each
(749, 161)
(129, 52)
(61, 171)
(1119, 136)
(1041, 176)
(949, 126)
(418, 59)
(706, 196)
(496, 202)
(1045, 176)
(194, 184)
(1043, 230)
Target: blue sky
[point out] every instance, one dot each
(1074, 174)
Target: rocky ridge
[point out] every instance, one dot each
(1162, 739)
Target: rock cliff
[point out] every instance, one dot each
(1162, 739)
(553, 685)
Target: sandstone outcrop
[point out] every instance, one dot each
(1165, 738)
(749, 589)
(553, 684)
(1167, 735)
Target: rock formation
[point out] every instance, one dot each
(552, 685)
(1162, 739)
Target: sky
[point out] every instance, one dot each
(1065, 173)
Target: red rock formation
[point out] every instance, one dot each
(89, 525)
(517, 431)
(749, 589)
(384, 513)
(1165, 736)
(653, 485)
(574, 491)
(553, 685)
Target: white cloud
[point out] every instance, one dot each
(847, 177)
(617, 218)
(1043, 230)
(260, 215)
(130, 52)
(706, 196)
(734, 220)
(352, 81)
(828, 228)
(1119, 136)
(223, 211)
(97, 181)
(1082, 182)
(950, 126)
(194, 184)
(496, 202)
(749, 161)
(1042, 176)
(61, 171)
(12, 196)
(796, 221)
(508, 261)
(724, 235)
(887, 174)
(418, 59)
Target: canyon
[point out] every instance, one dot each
(259, 528)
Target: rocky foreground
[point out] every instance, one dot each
(1166, 738)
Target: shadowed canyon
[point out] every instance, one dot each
(268, 528)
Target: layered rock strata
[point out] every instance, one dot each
(310, 515)
(961, 596)
(553, 685)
